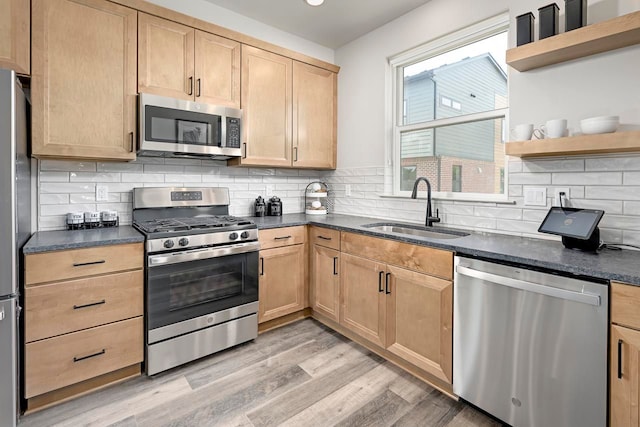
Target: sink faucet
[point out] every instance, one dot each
(429, 219)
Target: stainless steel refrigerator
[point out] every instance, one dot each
(15, 230)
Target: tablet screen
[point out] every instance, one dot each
(571, 222)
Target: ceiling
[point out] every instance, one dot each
(333, 24)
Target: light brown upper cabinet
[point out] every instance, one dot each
(83, 79)
(289, 112)
(15, 35)
(181, 62)
(314, 117)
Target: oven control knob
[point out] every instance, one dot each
(168, 244)
(233, 236)
(244, 235)
(183, 242)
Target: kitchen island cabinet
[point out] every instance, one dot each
(282, 272)
(624, 387)
(179, 61)
(83, 79)
(15, 32)
(83, 320)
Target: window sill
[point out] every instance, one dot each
(498, 198)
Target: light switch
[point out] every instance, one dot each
(535, 196)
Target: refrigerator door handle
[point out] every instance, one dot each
(2, 314)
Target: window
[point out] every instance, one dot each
(456, 178)
(450, 101)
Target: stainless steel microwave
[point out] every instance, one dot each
(177, 128)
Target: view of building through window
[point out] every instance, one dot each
(451, 128)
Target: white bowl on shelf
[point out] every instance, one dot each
(602, 124)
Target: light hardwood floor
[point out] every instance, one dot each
(302, 374)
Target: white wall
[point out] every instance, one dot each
(206, 11)
(605, 84)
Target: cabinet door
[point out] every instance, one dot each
(217, 66)
(14, 35)
(281, 287)
(325, 281)
(363, 307)
(625, 391)
(314, 117)
(83, 79)
(419, 321)
(266, 105)
(165, 58)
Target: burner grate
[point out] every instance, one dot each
(191, 223)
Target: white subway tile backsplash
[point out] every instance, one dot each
(64, 187)
(518, 226)
(51, 210)
(613, 193)
(534, 215)
(54, 199)
(142, 177)
(631, 237)
(631, 178)
(120, 167)
(503, 213)
(184, 178)
(530, 178)
(631, 163)
(622, 222)
(67, 166)
(54, 176)
(563, 165)
(587, 178)
(163, 169)
(94, 177)
(609, 206)
(472, 221)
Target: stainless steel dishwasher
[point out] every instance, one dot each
(530, 348)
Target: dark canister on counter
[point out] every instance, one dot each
(259, 207)
(275, 206)
(549, 16)
(575, 14)
(524, 24)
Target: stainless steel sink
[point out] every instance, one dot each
(431, 232)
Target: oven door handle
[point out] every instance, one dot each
(205, 253)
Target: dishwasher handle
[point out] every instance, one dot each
(551, 291)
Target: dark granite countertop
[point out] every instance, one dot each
(609, 264)
(45, 241)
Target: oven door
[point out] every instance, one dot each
(191, 284)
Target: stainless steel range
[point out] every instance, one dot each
(201, 274)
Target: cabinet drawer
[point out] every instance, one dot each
(64, 307)
(325, 237)
(625, 300)
(61, 361)
(436, 262)
(278, 237)
(62, 265)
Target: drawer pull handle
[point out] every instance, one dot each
(78, 307)
(282, 238)
(324, 238)
(620, 342)
(100, 353)
(82, 264)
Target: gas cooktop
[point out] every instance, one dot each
(212, 223)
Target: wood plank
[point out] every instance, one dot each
(596, 38)
(434, 410)
(381, 411)
(181, 18)
(284, 320)
(625, 300)
(276, 411)
(606, 143)
(410, 388)
(335, 407)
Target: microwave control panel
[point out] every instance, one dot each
(233, 132)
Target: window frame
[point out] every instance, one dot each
(457, 39)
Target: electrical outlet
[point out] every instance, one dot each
(102, 193)
(556, 196)
(347, 189)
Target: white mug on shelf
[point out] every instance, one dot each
(522, 132)
(556, 128)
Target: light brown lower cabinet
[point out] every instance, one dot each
(282, 282)
(325, 281)
(624, 360)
